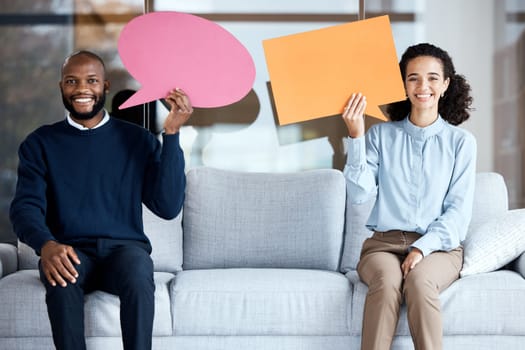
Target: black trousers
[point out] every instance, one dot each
(122, 268)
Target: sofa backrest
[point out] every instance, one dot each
(234, 219)
(165, 237)
(490, 200)
(262, 220)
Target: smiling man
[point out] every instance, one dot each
(84, 102)
(78, 203)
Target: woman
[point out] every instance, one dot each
(420, 168)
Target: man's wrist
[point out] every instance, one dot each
(171, 131)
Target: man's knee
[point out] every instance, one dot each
(137, 273)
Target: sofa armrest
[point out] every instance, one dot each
(8, 259)
(353, 277)
(519, 264)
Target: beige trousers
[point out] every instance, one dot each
(380, 268)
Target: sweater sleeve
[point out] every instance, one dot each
(28, 208)
(165, 179)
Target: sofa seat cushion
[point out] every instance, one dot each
(481, 304)
(23, 310)
(102, 310)
(260, 302)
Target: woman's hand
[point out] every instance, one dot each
(413, 258)
(353, 115)
(180, 111)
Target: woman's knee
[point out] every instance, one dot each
(418, 286)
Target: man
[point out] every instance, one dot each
(78, 203)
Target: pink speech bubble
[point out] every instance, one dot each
(167, 50)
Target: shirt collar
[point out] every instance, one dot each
(426, 132)
(73, 123)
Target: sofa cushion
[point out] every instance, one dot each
(233, 219)
(519, 264)
(260, 302)
(483, 304)
(27, 258)
(166, 241)
(8, 259)
(165, 237)
(490, 199)
(102, 310)
(23, 311)
(355, 233)
(494, 243)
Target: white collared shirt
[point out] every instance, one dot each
(73, 123)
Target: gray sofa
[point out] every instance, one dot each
(267, 261)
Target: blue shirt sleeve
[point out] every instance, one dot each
(361, 170)
(449, 229)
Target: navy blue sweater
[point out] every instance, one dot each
(76, 184)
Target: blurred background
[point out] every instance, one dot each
(484, 37)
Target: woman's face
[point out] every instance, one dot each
(425, 82)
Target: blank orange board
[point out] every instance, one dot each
(312, 74)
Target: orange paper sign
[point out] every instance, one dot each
(312, 74)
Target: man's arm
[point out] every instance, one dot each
(165, 178)
(29, 206)
(28, 216)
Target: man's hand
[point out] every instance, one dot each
(180, 111)
(57, 263)
(413, 258)
(353, 115)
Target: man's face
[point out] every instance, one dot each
(83, 87)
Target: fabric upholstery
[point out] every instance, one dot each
(490, 198)
(27, 258)
(355, 233)
(482, 304)
(494, 243)
(103, 309)
(8, 259)
(261, 302)
(24, 313)
(166, 241)
(263, 251)
(235, 220)
(519, 264)
(165, 237)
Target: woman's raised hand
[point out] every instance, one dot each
(353, 115)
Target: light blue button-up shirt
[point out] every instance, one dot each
(422, 178)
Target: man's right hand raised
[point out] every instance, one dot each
(57, 263)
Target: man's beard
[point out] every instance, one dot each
(97, 107)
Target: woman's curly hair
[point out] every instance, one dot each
(454, 107)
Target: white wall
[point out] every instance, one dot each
(466, 30)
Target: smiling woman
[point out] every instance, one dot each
(432, 87)
(420, 170)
